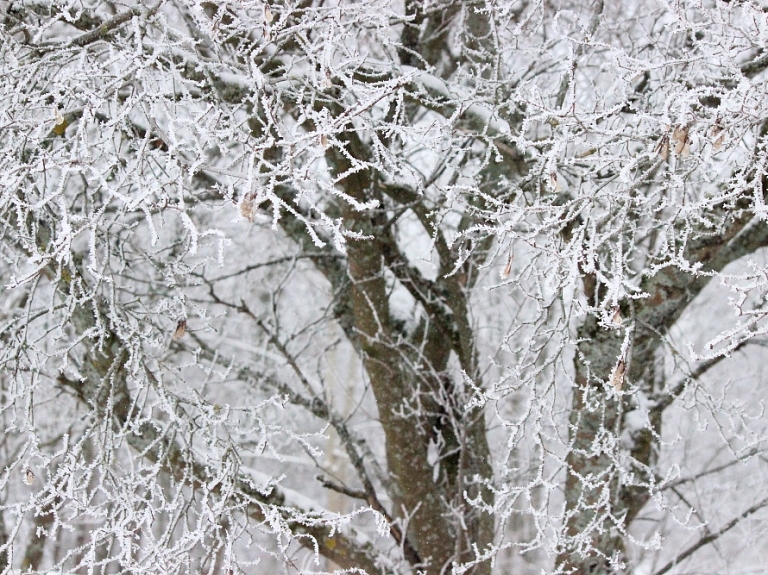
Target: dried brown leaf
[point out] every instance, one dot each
(616, 318)
(682, 142)
(554, 183)
(507, 268)
(181, 329)
(718, 135)
(247, 208)
(617, 377)
(662, 147)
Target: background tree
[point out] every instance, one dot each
(383, 287)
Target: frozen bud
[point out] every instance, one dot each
(616, 318)
(268, 16)
(617, 377)
(328, 83)
(29, 477)
(181, 329)
(323, 141)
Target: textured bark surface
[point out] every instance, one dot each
(520, 169)
(601, 498)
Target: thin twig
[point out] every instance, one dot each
(711, 537)
(664, 400)
(740, 459)
(353, 493)
(103, 29)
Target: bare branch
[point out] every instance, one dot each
(712, 537)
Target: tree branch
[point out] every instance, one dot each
(712, 537)
(104, 29)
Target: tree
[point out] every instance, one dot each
(383, 287)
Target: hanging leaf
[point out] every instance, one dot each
(662, 147)
(617, 378)
(681, 139)
(247, 208)
(60, 124)
(29, 476)
(181, 329)
(717, 134)
(616, 318)
(507, 268)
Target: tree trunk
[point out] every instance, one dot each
(593, 527)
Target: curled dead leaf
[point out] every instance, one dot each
(617, 377)
(717, 134)
(507, 268)
(616, 318)
(682, 140)
(554, 183)
(662, 147)
(247, 209)
(60, 123)
(181, 329)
